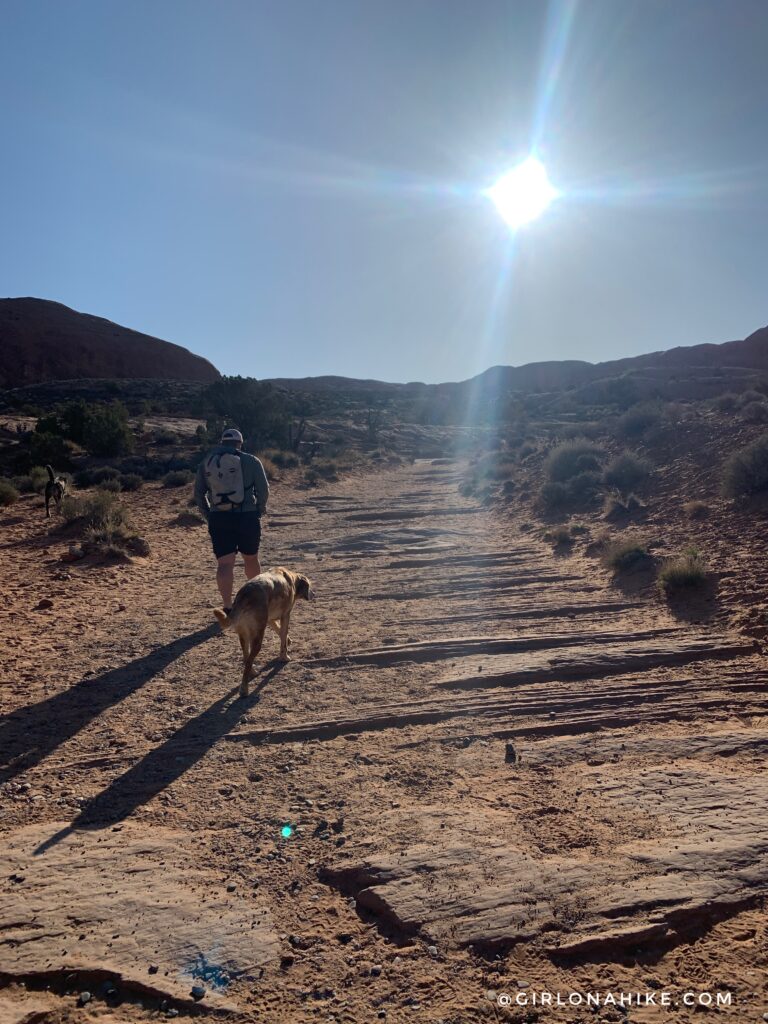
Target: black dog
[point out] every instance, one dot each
(55, 489)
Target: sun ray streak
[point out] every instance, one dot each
(560, 18)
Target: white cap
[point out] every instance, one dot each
(232, 435)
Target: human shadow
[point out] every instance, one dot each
(30, 734)
(163, 765)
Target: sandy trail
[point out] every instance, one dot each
(500, 773)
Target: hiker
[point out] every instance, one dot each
(231, 491)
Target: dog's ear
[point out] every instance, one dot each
(304, 588)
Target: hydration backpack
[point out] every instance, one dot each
(224, 474)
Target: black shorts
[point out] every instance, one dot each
(234, 531)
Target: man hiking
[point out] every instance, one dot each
(231, 491)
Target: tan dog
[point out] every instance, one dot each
(266, 600)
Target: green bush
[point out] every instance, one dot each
(569, 459)
(178, 478)
(626, 472)
(24, 484)
(100, 428)
(684, 572)
(110, 485)
(624, 553)
(8, 493)
(257, 408)
(746, 472)
(164, 435)
(48, 448)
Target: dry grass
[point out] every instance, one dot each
(625, 553)
(685, 572)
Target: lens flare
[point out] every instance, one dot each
(286, 831)
(523, 194)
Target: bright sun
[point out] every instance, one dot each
(523, 194)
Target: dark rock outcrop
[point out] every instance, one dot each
(45, 341)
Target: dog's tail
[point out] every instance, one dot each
(51, 476)
(225, 620)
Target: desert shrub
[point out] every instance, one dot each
(131, 481)
(93, 475)
(755, 412)
(617, 507)
(577, 493)
(584, 487)
(178, 478)
(102, 521)
(23, 484)
(8, 493)
(696, 509)
(50, 448)
(571, 458)
(639, 420)
(100, 510)
(326, 469)
(524, 451)
(495, 465)
(101, 428)
(554, 495)
(624, 553)
(559, 536)
(284, 460)
(749, 396)
(260, 411)
(626, 471)
(39, 475)
(686, 571)
(164, 435)
(35, 480)
(746, 471)
(110, 485)
(726, 402)
(273, 473)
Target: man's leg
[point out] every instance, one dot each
(252, 566)
(248, 542)
(225, 577)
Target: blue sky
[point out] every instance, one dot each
(293, 188)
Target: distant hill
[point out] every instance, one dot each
(698, 363)
(44, 341)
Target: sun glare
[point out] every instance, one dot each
(523, 194)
